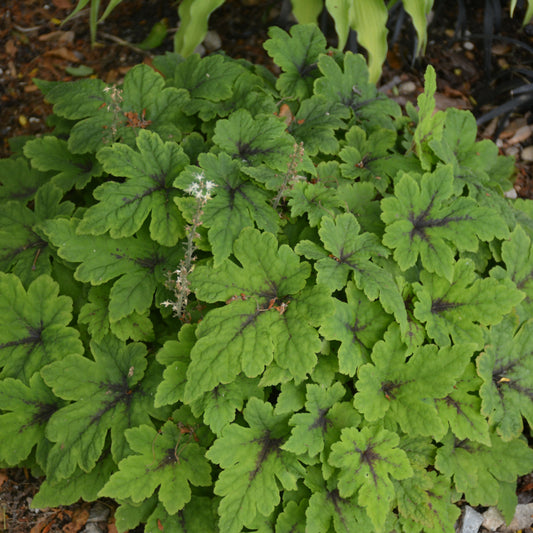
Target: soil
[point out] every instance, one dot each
(472, 74)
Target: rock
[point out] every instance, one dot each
(472, 520)
(492, 519)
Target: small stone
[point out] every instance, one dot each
(511, 193)
(467, 45)
(492, 519)
(407, 87)
(212, 41)
(472, 520)
(527, 153)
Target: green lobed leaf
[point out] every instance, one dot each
(268, 316)
(424, 219)
(368, 459)
(168, 459)
(253, 466)
(79, 485)
(351, 252)
(71, 170)
(124, 207)
(111, 397)
(517, 253)
(349, 86)
(237, 202)
(315, 124)
(20, 181)
(34, 327)
(137, 262)
(296, 54)
(358, 323)
(254, 140)
(506, 367)
(404, 392)
(327, 508)
(309, 428)
(23, 250)
(455, 308)
(26, 410)
(479, 472)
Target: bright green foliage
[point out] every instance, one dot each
(455, 308)
(34, 327)
(506, 367)
(166, 459)
(254, 466)
(23, 247)
(403, 393)
(139, 263)
(111, 396)
(367, 459)
(426, 219)
(270, 320)
(30, 408)
(230, 301)
(297, 55)
(124, 207)
(70, 170)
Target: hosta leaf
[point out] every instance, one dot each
(307, 436)
(253, 466)
(269, 316)
(20, 181)
(26, 410)
(358, 324)
(424, 219)
(368, 459)
(350, 87)
(150, 172)
(486, 474)
(456, 308)
(71, 170)
(237, 203)
(297, 56)
(33, 326)
(168, 459)
(254, 140)
(351, 252)
(404, 392)
(506, 367)
(139, 263)
(112, 396)
(23, 250)
(79, 485)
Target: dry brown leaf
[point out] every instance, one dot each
(11, 47)
(59, 36)
(62, 4)
(63, 53)
(79, 519)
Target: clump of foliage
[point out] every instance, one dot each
(233, 302)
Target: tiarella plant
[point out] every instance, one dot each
(234, 302)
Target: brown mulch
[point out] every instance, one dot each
(33, 44)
